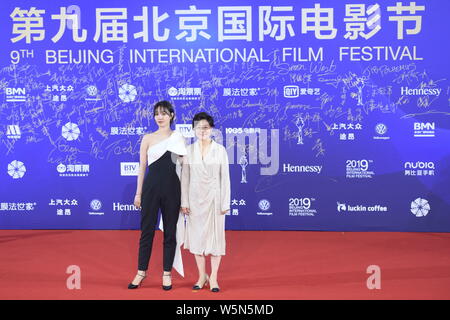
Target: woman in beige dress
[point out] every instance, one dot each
(205, 199)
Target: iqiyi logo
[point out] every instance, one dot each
(420, 207)
(291, 91)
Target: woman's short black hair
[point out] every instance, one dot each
(203, 116)
(165, 106)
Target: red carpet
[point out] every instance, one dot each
(258, 265)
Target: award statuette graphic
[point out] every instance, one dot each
(243, 162)
(360, 85)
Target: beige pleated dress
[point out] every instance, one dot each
(206, 191)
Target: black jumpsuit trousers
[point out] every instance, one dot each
(161, 191)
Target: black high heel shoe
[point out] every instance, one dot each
(167, 287)
(214, 289)
(135, 286)
(197, 287)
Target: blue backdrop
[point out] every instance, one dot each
(335, 114)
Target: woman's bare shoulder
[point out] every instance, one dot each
(148, 138)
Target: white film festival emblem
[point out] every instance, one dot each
(16, 169)
(127, 92)
(420, 207)
(70, 131)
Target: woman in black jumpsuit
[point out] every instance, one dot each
(160, 191)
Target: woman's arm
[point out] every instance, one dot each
(142, 169)
(225, 185)
(185, 178)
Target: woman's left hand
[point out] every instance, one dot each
(223, 212)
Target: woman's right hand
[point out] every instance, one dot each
(185, 210)
(137, 201)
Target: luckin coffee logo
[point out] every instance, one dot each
(342, 207)
(405, 91)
